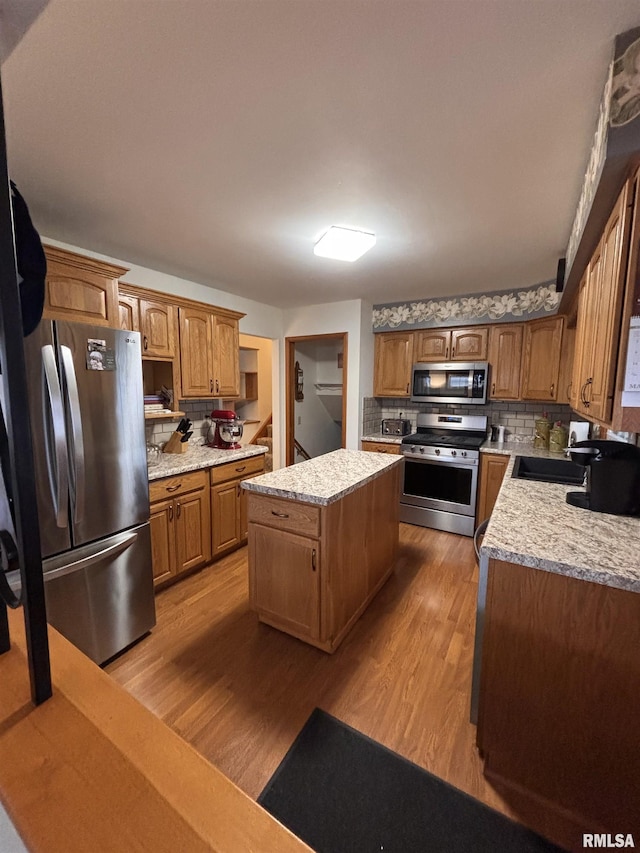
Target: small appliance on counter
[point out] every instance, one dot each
(613, 477)
(227, 429)
(578, 431)
(396, 426)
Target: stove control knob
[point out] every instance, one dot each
(464, 453)
(454, 453)
(422, 450)
(437, 451)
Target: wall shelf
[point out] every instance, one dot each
(162, 416)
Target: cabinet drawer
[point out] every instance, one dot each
(380, 447)
(170, 487)
(241, 468)
(285, 515)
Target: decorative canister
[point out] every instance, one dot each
(557, 438)
(543, 427)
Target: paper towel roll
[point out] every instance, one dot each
(578, 431)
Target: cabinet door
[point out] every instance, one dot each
(607, 312)
(158, 327)
(196, 353)
(393, 360)
(582, 354)
(225, 515)
(226, 357)
(492, 468)
(432, 345)
(243, 513)
(541, 364)
(193, 530)
(285, 571)
(81, 289)
(505, 358)
(128, 313)
(469, 344)
(163, 546)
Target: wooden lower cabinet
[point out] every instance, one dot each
(380, 447)
(558, 700)
(229, 527)
(492, 468)
(287, 589)
(314, 569)
(180, 518)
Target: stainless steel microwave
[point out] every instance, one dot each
(451, 382)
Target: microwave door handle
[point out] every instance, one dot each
(470, 393)
(78, 479)
(55, 444)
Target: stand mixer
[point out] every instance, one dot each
(227, 429)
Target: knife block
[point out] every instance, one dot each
(175, 444)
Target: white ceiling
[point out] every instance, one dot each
(217, 139)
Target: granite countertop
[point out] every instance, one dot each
(533, 525)
(324, 479)
(199, 456)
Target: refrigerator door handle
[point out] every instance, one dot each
(78, 480)
(55, 444)
(92, 559)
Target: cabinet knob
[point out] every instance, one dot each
(241, 468)
(313, 560)
(280, 514)
(553, 385)
(173, 488)
(211, 385)
(145, 343)
(493, 388)
(453, 352)
(171, 513)
(407, 387)
(217, 387)
(178, 510)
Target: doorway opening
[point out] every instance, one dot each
(316, 395)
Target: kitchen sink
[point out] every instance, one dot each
(548, 470)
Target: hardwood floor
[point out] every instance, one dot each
(239, 691)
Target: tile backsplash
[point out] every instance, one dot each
(518, 418)
(198, 411)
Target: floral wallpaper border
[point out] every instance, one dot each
(499, 307)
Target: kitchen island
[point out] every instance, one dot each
(323, 539)
(556, 667)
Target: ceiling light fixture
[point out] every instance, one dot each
(344, 244)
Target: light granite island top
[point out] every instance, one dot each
(533, 525)
(199, 456)
(324, 479)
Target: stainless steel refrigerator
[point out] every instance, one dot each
(87, 417)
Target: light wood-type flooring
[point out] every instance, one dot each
(239, 691)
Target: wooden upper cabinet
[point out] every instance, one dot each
(158, 325)
(451, 344)
(393, 359)
(541, 360)
(81, 289)
(599, 313)
(196, 352)
(128, 312)
(469, 344)
(505, 358)
(432, 345)
(209, 354)
(226, 356)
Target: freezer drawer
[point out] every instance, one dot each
(100, 596)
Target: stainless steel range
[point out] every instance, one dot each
(441, 472)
